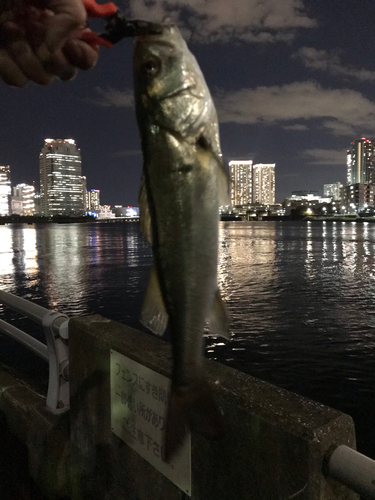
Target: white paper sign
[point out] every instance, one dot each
(139, 402)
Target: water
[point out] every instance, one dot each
(301, 297)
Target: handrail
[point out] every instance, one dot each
(354, 470)
(56, 352)
(20, 336)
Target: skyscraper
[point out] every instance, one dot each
(360, 162)
(61, 182)
(241, 176)
(5, 190)
(264, 183)
(23, 199)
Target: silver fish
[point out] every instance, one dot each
(182, 186)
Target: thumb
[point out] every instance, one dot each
(69, 15)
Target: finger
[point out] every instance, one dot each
(17, 46)
(59, 65)
(80, 54)
(23, 55)
(10, 73)
(70, 15)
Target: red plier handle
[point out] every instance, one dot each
(98, 10)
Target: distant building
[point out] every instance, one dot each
(37, 202)
(304, 199)
(332, 190)
(94, 200)
(84, 191)
(264, 183)
(241, 176)
(87, 201)
(61, 182)
(252, 183)
(23, 200)
(121, 211)
(357, 197)
(360, 162)
(5, 190)
(306, 194)
(105, 212)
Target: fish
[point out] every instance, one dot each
(183, 184)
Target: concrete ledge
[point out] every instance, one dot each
(274, 446)
(45, 435)
(273, 449)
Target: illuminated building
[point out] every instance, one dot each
(87, 200)
(23, 199)
(121, 211)
(94, 199)
(241, 176)
(61, 183)
(360, 162)
(264, 183)
(84, 193)
(308, 199)
(105, 212)
(357, 197)
(5, 190)
(332, 190)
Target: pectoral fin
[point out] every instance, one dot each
(223, 181)
(153, 313)
(144, 211)
(223, 187)
(218, 322)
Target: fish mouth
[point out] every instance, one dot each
(184, 169)
(184, 89)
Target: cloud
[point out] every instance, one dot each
(126, 153)
(113, 97)
(332, 64)
(223, 20)
(326, 156)
(341, 111)
(297, 126)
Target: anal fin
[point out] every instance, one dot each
(218, 321)
(153, 313)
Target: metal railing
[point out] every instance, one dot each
(56, 352)
(354, 470)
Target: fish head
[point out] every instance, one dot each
(170, 90)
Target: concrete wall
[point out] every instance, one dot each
(273, 448)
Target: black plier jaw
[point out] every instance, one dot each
(118, 26)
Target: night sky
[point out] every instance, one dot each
(293, 82)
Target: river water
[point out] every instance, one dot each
(300, 295)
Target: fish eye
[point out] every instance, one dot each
(151, 67)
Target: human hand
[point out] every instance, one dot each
(41, 40)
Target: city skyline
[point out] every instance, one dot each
(241, 173)
(292, 81)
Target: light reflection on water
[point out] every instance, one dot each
(301, 298)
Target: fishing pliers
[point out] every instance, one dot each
(118, 26)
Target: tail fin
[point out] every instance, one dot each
(195, 408)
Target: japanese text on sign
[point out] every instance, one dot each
(139, 402)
